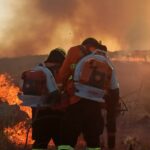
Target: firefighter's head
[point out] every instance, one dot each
(56, 55)
(91, 43)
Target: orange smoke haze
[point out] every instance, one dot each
(35, 27)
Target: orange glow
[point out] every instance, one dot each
(64, 35)
(111, 43)
(121, 25)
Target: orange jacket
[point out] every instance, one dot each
(66, 72)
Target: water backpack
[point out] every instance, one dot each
(37, 84)
(92, 76)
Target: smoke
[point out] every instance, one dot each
(125, 21)
(38, 26)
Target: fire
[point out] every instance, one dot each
(17, 134)
(8, 94)
(130, 59)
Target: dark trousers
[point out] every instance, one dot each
(111, 129)
(46, 125)
(84, 116)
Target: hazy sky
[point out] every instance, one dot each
(37, 26)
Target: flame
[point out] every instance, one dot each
(130, 59)
(17, 134)
(8, 93)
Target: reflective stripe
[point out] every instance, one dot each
(72, 66)
(38, 149)
(89, 92)
(70, 78)
(98, 148)
(32, 100)
(65, 147)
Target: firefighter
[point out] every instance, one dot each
(83, 114)
(112, 108)
(46, 121)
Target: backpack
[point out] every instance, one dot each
(34, 83)
(38, 84)
(92, 76)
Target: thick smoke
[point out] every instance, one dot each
(41, 25)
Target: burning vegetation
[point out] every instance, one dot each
(139, 56)
(14, 118)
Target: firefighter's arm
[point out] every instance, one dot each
(65, 71)
(53, 97)
(114, 90)
(112, 105)
(114, 100)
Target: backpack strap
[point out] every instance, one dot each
(100, 52)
